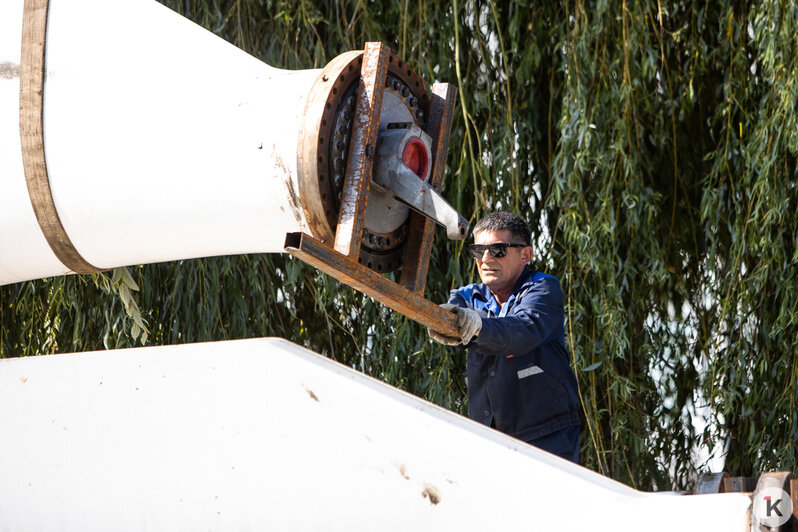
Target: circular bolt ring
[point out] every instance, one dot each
(318, 137)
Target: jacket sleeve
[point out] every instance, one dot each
(456, 298)
(535, 319)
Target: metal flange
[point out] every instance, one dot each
(324, 142)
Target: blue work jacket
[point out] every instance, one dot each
(519, 374)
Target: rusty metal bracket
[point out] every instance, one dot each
(341, 259)
(363, 145)
(415, 263)
(371, 283)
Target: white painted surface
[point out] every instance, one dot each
(162, 140)
(262, 434)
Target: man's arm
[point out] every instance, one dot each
(534, 319)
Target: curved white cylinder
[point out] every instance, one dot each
(162, 140)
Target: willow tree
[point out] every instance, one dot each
(651, 146)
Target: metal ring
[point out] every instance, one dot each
(31, 131)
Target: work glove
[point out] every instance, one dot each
(468, 322)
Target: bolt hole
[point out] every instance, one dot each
(408, 72)
(350, 69)
(335, 91)
(321, 140)
(359, 260)
(388, 242)
(324, 122)
(321, 159)
(416, 83)
(379, 267)
(400, 64)
(329, 106)
(323, 196)
(369, 265)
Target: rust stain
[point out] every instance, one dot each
(23, 380)
(311, 394)
(402, 469)
(431, 492)
(293, 198)
(9, 70)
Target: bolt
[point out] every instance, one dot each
(340, 145)
(338, 164)
(413, 101)
(395, 84)
(419, 114)
(370, 150)
(405, 91)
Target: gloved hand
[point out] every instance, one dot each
(470, 324)
(440, 337)
(468, 321)
(443, 339)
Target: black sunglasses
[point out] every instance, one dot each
(498, 250)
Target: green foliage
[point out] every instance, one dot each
(651, 146)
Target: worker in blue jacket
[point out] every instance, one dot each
(519, 374)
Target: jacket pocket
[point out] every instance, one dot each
(544, 397)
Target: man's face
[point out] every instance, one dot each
(500, 274)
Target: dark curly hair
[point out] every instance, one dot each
(497, 221)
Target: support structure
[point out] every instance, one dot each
(341, 260)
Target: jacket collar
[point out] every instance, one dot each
(526, 279)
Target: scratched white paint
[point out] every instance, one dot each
(162, 140)
(265, 435)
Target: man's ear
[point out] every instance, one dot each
(526, 254)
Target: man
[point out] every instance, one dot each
(519, 375)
